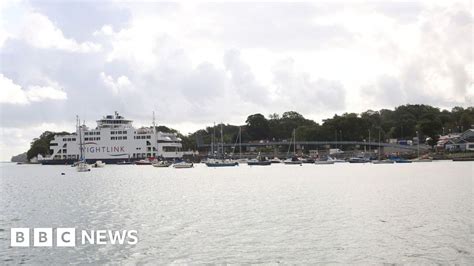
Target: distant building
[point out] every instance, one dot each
(457, 142)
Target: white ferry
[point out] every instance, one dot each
(113, 140)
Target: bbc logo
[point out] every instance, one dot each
(43, 237)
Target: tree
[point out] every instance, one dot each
(257, 127)
(41, 145)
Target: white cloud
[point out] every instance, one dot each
(40, 32)
(11, 93)
(117, 86)
(106, 30)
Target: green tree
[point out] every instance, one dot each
(257, 127)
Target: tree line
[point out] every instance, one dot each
(401, 123)
(404, 122)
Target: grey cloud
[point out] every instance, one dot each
(310, 95)
(275, 26)
(243, 80)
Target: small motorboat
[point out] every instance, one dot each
(358, 160)
(383, 162)
(161, 164)
(308, 160)
(98, 164)
(124, 163)
(336, 160)
(220, 163)
(275, 160)
(83, 167)
(260, 160)
(324, 162)
(400, 160)
(424, 159)
(183, 164)
(293, 160)
(143, 162)
(403, 161)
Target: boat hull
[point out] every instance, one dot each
(71, 161)
(324, 162)
(383, 162)
(259, 163)
(221, 164)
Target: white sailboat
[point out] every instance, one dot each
(294, 159)
(82, 165)
(379, 161)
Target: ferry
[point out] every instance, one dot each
(114, 140)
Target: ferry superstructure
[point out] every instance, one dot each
(113, 140)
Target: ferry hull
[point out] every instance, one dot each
(91, 161)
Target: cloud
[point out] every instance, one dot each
(106, 30)
(306, 93)
(12, 93)
(40, 32)
(199, 63)
(116, 86)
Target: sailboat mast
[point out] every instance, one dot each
(80, 136)
(222, 140)
(240, 142)
(379, 145)
(212, 138)
(294, 142)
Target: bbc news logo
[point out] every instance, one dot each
(66, 237)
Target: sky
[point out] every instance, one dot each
(198, 63)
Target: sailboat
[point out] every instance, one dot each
(239, 139)
(294, 159)
(222, 162)
(422, 159)
(379, 161)
(82, 165)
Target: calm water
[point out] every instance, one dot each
(342, 213)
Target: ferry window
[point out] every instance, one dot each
(148, 137)
(64, 139)
(112, 132)
(74, 139)
(124, 137)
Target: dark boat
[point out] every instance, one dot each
(463, 159)
(308, 160)
(259, 161)
(358, 160)
(221, 163)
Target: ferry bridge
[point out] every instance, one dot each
(321, 143)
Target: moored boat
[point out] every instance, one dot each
(83, 167)
(98, 164)
(293, 160)
(259, 161)
(324, 162)
(308, 160)
(143, 162)
(221, 163)
(161, 164)
(383, 162)
(183, 165)
(358, 160)
(275, 160)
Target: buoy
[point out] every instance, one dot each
(62, 173)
